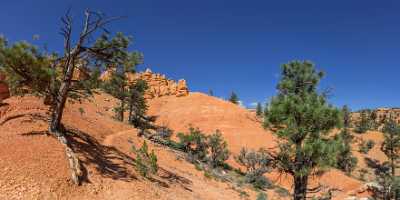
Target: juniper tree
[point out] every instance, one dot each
(234, 98)
(30, 70)
(303, 118)
(259, 110)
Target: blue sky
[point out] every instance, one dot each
(239, 45)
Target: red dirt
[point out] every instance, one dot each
(240, 128)
(33, 166)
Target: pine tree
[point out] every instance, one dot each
(345, 159)
(346, 116)
(303, 118)
(234, 98)
(364, 124)
(118, 85)
(211, 92)
(391, 144)
(137, 105)
(259, 110)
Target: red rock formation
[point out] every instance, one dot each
(158, 84)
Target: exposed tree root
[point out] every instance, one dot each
(73, 160)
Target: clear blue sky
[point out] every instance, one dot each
(239, 45)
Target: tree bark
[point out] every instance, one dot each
(121, 112)
(55, 123)
(300, 187)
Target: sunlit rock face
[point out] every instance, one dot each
(158, 84)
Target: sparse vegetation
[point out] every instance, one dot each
(365, 147)
(145, 162)
(262, 196)
(257, 163)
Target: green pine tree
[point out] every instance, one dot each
(137, 107)
(304, 119)
(391, 144)
(345, 159)
(211, 92)
(364, 124)
(259, 110)
(234, 98)
(118, 85)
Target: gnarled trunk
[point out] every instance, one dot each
(73, 161)
(55, 123)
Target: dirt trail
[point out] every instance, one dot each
(108, 141)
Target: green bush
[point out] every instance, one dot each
(194, 143)
(282, 191)
(364, 147)
(257, 163)
(262, 196)
(145, 162)
(218, 150)
(199, 147)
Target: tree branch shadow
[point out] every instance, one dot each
(108, 161)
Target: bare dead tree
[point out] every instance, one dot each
(83, 50)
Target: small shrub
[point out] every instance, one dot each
(219, 152)
(362, 174)
(194, 143)
(145, 162)
(262, 196)
(257, 163)
(243, 194)
(207, 175)
(164, 133)
(282, 191)
(198, 167)
(81, 111)
(364, 147)
(259, 182)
